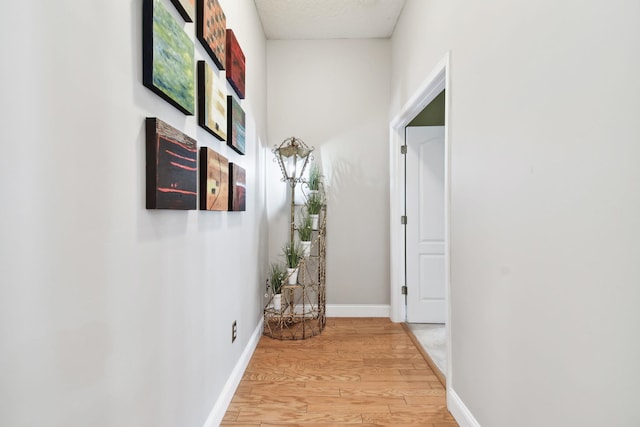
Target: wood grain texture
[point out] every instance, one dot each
(358, 371)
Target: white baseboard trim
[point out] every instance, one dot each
(460, 411)
(226, 395)
(358, 310)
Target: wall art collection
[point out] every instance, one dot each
(171, 72)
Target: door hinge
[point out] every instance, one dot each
(404, 290)
(403, 149)
(403, 220)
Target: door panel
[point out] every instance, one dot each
(425, 225)
(432, 277)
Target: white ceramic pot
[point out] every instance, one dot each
(306, 247)
(293, 275)
(314, 221)
(277, 302)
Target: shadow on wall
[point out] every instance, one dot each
(349, 186)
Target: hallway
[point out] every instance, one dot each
(362, 371)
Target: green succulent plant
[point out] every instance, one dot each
(277, 274)
(314, 203)
(304, 229)
(293, 253)
(314, 177)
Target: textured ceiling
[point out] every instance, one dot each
(328, 19)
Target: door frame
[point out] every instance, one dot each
(437, 81)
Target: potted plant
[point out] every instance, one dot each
(314, 205)
(314, 179)
(277, 274)
(305, 231)
(293, 253)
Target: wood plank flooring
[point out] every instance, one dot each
(363, 371)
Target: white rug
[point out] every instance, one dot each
(433, 338)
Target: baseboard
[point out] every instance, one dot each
(226, 395)
(358, 310)
(460, 411)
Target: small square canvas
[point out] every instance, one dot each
(214, 181)
(186, 8)
(168, 58)
(212, 104)
(235, 64)
(211, 30)
(171, 167)
(235, 125)
(238, 186)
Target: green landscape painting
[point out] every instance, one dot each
(168, 63)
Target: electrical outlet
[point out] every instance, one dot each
(234, 331)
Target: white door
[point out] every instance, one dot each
(425, 232)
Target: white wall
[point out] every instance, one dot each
(334, 95)
(544, 133)
(111, 314)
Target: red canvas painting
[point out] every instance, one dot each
(235, 64)
(171, 167)
(212, 30)
(214, 181)
(238, 187)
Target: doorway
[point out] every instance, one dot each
(435, 261)
(426, 307)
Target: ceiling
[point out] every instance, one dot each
(328, 19)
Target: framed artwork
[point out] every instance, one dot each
(168, 58)
(237, 188)
(212, 101)
(186, 8)
(235, 64)
(211, 30)
(235, 125)
(214, 181)
(172, 167)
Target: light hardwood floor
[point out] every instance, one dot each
(358, 371)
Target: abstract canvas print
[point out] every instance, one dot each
(212, 101)
(235, 64)
(168, 58)
(186, 8)
(214, 181)
(172, 167)
(235, 125)
(212, 30)
(238, 186)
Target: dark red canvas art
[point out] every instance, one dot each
(172, 167)
(237, 188)
(235, 64)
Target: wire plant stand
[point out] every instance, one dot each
(302, 312)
